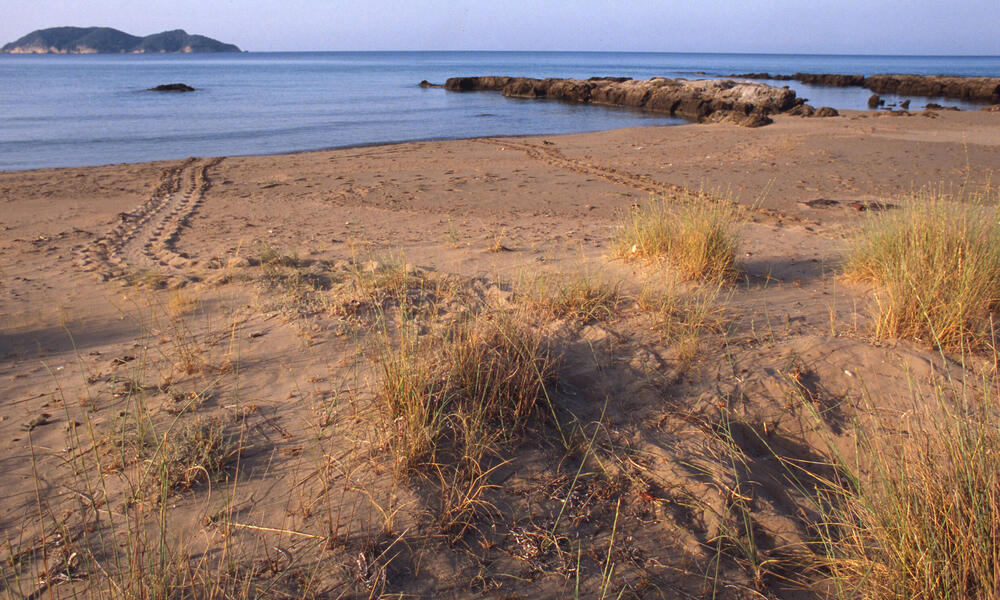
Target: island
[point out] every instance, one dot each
(105, 40)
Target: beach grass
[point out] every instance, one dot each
(581, 296)
(456, 392)
(683, 318)
(923, 520)
(935, 263)
(696, 235)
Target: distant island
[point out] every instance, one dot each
(105, 40)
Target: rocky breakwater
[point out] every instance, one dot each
(744, 103)
(972, 89)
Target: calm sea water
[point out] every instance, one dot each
(91, 110)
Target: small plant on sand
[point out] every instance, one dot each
(376, 285)
(683, 318)
(923, 521)
(199, 452)
(697, 235)
(301, 283)
(181, 303)
(936, 264)
(147, 278)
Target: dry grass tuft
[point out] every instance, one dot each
(181, 303)
(198, 453)
(301, 283)
(698, 237)
(683, 319)
(936, 264)
(581, 297)
(461, 389)
(146, 278)
(372, 287)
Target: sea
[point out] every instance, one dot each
(78, 110)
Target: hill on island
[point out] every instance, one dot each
(105, 40)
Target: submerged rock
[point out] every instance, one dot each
(936, 106)
(172, 87)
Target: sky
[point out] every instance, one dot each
(775, 26)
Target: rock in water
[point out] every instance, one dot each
(973, 89)
(744, 103)
(875, 101)
(172, 87)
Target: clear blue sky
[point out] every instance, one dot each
(845, 26)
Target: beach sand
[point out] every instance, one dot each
(150, 294)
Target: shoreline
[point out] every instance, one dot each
(846, 113)
(347, 147)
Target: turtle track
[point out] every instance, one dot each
(553, 157)
(145, 238)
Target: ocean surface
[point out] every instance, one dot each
(58, 111)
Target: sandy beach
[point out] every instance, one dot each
(245, 291)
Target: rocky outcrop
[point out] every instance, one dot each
(830, 79)
(172, 87)
(472, 84)
(744, 103)
(805, 110)
(973, 89)
(105, 40)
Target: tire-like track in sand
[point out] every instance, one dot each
(144, 239)
(553, 157)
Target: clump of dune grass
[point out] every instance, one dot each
(683, 319)
(582, 297)
(372, 286)
(462, 388)
(697, 235)
(198, 452)
(924, 520)
(936, 264)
